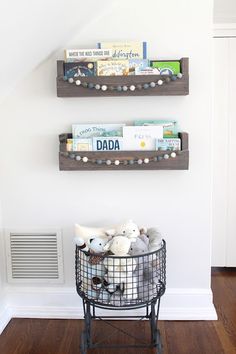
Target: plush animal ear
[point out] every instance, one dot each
(110, 232)
(143, 230)
(108, 245)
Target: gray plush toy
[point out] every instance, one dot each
(145, 273)
(155, 239)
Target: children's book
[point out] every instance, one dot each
(108, 143)
(82, 145)
(170, 127)
(126, 50)
(112, 67)
(172, 144)
(166, 67)
(147, 71)
(140, 64)
(74, 55)
(91, 130)
(141, 138)
(79, 69)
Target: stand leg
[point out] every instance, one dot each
(86, 334)
(155, 333)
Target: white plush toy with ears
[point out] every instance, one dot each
(129, 229)
(84, 234)
(120, 270)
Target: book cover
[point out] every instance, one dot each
(166, 67)
(147, 71)
(82, 145)
(126, 50)
(140, 64)
(74, 55)
(141, 137)
(79, 69)
(172, 144)
(112, 67)
(91, 130)
(170, 127)
(69, 144)
(107, 143)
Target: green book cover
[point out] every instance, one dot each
(166, 67)
(170, 127)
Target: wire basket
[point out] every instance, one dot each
(130, 281)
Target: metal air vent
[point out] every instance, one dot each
(34, 257)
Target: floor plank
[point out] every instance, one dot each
(46, 336)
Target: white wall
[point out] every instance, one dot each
(30, 31)
(224, 11)
(37, 195)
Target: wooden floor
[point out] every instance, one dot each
(35, 336)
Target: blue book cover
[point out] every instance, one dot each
(79, 69)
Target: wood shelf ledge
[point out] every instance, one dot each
(180, 87)
(68, 162)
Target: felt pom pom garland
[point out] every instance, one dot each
(116, 162)
(123, 88)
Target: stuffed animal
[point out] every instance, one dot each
(129, 229)
(83, 234)
(145, 272)
(155, 239)
(140, 246)
(120, 270)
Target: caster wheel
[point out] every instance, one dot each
(83, 346)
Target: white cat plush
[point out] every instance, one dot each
(129, 229)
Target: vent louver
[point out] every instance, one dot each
(34, 257)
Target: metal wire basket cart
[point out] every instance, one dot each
(121, 283)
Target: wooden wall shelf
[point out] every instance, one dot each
(174, 88)
(68, 162)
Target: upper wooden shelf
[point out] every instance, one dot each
(178, 87)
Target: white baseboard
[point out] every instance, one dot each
(64, 303)
(176, 304)
(5, 318)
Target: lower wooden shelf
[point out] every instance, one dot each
(70, 161)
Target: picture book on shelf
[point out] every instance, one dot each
(107, 143)
(82, 144)
(79, 69)
(126, 50)
(96, 130)
(141, 137)
(112, 67)
(170, 127)
(140, 64)
(74, 55)
(173, 144)
(166, 67)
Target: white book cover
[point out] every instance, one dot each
(74, 55)
(141, 137)
(114, 143)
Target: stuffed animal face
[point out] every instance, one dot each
(97, 245)
(154, 234)
(139, 246)
(128, 229)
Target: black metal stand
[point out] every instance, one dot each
(144, 286)
(151, 313)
